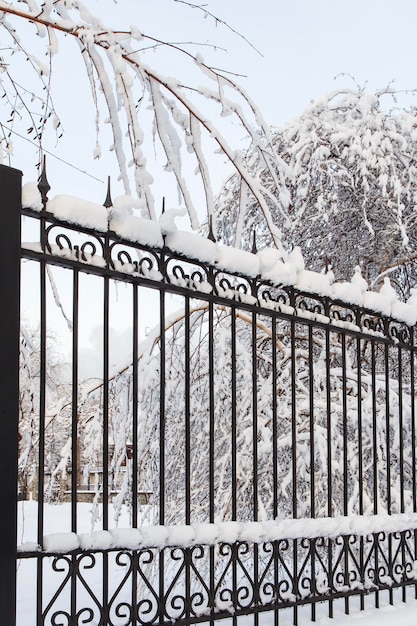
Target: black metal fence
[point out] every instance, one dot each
(254, 451)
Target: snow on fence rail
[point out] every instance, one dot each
(155, 536)
(269, 417)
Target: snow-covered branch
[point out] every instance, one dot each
(186, 116)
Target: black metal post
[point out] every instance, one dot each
(10, 208)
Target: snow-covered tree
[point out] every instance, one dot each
(343, 188)
(179, 119)
(57, 408)
(238, 394)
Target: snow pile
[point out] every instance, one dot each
(237, 261)
(271, 265)
(78, 211)
(31, 197)
(137, 229)
(313, 282)
(225, 532)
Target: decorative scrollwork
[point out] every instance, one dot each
(59, 615)
(88, 250)
(244, 593)
(179, 273)
(342, 315)
(85, 616)
(124, 258)
(145, 265)
(124, 560)
(372, 323)
(309, 305)
(147, 607)
(134, 261)
(400, 334)
(61, 564)
(269, 592)
(178, 604)
(197, 601)
(273, 299)
(124, 611)
(58, 240)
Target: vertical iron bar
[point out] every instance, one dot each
(374, 429)
(74, 415)
(187, 459)
(274, 420)
(413, 421)
(255, 460)
(329, 428)
(42, 408)
(401, 427)
(106, 314)
(254, 420)
(345, 463)
(293, 420)
(311, 425)
(162, 450)
(234, 413)
(360, 460)
(401, 451)
(135, 382)
(74, 433)
(105, 460)
(10, 190)
(294, 463)
(162, 410)
(211, 409)
(413, 437)
(187, 424)
(329, 461)
(211, 452)
(374, 454)
(312, 455)
(387, 427)
(275, 454)
(345, 428)
(388, 455)
(233, 486)
(359, 410)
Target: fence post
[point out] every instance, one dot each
(10, 211)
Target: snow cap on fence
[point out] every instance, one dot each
(224, 532)
(272, 265)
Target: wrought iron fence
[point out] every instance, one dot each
(250, 409)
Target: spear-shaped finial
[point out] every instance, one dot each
(43, 184)
(108, 202)
(211, 233)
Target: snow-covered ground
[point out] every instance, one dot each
(400, 614)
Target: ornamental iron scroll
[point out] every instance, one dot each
(69, 243)
(248, 578)
(134, 261)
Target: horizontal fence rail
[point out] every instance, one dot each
(239, 401)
